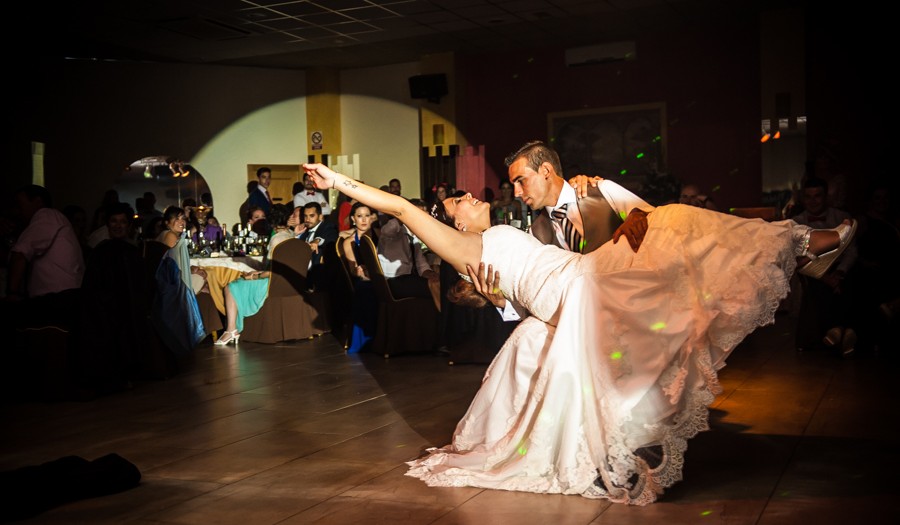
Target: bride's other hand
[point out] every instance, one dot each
(487, 284)
(322, 175)
(634, 228)
(581, 182)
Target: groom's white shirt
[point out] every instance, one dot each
(620, 200)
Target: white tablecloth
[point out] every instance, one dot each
(244, 264)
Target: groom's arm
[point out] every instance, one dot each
(630, 208)
(622, 200)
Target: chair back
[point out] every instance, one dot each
(368, 255)
(344, 263)
(290, 262)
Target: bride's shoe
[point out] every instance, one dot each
(819, 265)
(228, 337)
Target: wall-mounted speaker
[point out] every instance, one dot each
(429, 87)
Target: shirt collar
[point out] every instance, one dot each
(566, 196)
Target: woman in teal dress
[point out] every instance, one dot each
(244, 297)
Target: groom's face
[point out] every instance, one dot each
(532, 186)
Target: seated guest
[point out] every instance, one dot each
(176, 312)
(173, 236)
(403, 262)
(201, 224)
(321, 236)
(46, 265)
(343, 219)
(692, 196)
(311, 194)
(114, 344)
(257, 223)
(825, 312)
(246, 296)
(47, 251)
(364, 311)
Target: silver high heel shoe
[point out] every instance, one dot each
(819, 265)
(228, 337)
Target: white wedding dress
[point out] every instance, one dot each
(621, 353)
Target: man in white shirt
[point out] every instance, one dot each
(311, 194)
(581, 220)
(46, 266)
(47, 251)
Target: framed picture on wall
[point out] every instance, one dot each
(624, 143)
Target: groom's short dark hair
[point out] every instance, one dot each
(537, 152)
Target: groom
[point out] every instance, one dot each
(581, 219)
(575, 224)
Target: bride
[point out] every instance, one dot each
(598, 392)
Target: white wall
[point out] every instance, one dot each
(380, 122)
(272, 135)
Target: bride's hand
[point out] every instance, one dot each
(487, 284)
(581, 182)
(322, 175)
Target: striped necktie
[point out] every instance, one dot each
(573, 238)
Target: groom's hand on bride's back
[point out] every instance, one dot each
(634, 228)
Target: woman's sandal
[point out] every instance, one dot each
(228, 337)
(818, 265)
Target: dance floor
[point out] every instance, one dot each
(302, 433)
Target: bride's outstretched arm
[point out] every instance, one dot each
(456, 247)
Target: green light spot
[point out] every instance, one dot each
(640, 155)
(583, 244)
(623, 172)
(623, 215)
(731, 210)
(615, 355)
(706, 513)
(656, 327)
(522, 450)
(657, 138)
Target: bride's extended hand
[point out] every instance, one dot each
(322, 175)
(487, 284)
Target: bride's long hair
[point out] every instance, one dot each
(462, 292)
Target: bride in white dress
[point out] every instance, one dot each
(598, 392)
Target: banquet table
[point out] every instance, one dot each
(222, 270)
